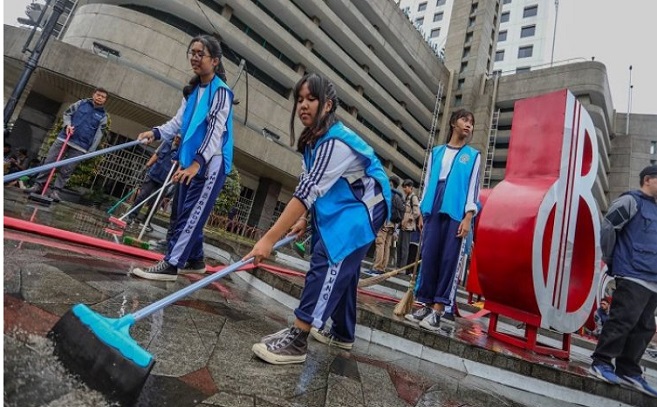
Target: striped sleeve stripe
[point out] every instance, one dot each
(319, 167)
(218, 105)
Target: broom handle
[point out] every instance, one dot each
(59, 156)
(140, 204)
(116, 205)
(170, 299)
(157, 201)
(57, 164)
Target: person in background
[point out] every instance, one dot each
(449, 203)
(384, 237)
(408, 223)
(601, 316)
(628, 238)
(85, 122)
(158, 166)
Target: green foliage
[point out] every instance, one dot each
(86, 170)
(229, 195)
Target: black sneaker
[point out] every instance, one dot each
(431, 322)
(193, 267)
(162, 271)
(284, 347)
(419, 314)
(325, 336)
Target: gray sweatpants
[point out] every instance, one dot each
(63, 173)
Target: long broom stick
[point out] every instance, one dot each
(57, 164)
(367, 282)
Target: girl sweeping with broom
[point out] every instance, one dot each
(449, 202)
(346, 190)
(204, 120)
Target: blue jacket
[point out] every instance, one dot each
(635, 252)
(89, 123)
(159, 171)
(343, 221)
(457, 182)
(195, 125)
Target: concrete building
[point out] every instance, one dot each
(136, 49)
(387, 75)
(431, 18)
(525, 29)
(633, 148)
(525, 35)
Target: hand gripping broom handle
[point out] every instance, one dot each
(170, 299)
(67, 161)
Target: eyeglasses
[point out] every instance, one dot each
(197, 54)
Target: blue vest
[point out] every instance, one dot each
(457, 182)
(343, 221)
(159, 171)
(635, 254)
(195, 125)
(86, 120)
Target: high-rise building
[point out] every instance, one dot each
(525, 32)
(431, 18)
(525, 35)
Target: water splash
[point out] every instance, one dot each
(35, 377)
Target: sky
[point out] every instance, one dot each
(616, 33)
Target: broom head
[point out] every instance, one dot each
(300, 248)
(405, 305)
(118, 222)
(40, 199)
(131, 241)
(101, 353)
(115, 232)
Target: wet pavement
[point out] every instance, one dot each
(202, 344)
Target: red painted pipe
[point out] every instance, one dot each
(31, 227)
(56, 233)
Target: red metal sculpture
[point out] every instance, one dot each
(538, 251)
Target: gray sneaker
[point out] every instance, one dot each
(34, 189)
(431, 322)
(419, 314)
(162, 271)
(54, 196)
(325, 336)
(284, 347)
(193, 267)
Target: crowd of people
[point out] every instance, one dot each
(348, 201)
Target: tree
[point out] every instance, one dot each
(229, 195)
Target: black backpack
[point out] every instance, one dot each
(398, 207)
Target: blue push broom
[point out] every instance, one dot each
(100, 350)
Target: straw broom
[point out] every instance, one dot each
(367, 282)
(405, 305)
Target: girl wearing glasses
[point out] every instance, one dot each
(205, 123)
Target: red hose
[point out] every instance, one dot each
(31, 227)
(56, 233)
